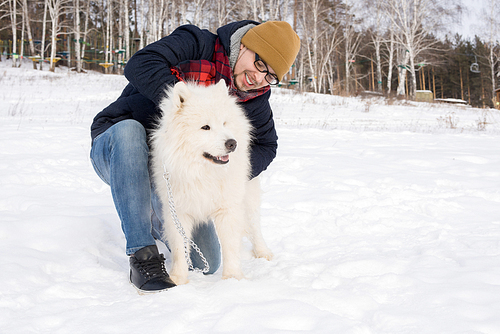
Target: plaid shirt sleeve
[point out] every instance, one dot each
(199, 71)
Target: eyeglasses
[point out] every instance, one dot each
(271, 78)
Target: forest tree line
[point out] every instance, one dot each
(389, 47)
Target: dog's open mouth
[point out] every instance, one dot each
(218, 160)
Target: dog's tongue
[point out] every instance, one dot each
(224, 158)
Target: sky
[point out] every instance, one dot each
(470, 23)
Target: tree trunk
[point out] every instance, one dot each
(391, 60)
(21, 53)
(78, 55)
(378, 61)
(28, 30)
(413, 87)
(402, 69)
(44, 31)
(492, 68)
(85, 31)
(54, 8)
(13, 20)
(126, 30)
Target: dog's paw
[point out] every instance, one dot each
(237, 275)
(264, 254)
(179, 280)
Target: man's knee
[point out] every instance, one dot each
(129, 130)
(129, 136)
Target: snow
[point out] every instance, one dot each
(383, 215)
(458, 101)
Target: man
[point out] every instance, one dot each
(249, 57)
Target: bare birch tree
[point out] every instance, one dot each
(320, 39)
(351, 41)
(330, 43)
(27, 23)
(415, 21)
(57, 9)
(254, 8)
(492, 26)
(77, 31)
(44, 32)
(224, 9)
(109, 32)
(13, 20)
(182, 5)
(126, 28)
(390, 51)
(199, 6)
(311, 30)
(377, 23)
(80, 8)
(151, 14)
(86, 29)
(402, 60)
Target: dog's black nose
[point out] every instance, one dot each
(231, 145)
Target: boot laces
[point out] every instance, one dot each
(153, 267)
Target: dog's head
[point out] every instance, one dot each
(206, 122)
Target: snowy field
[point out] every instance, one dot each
(384, 217)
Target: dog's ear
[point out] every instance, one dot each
(221, 86)
(180, 94)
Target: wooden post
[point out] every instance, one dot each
(433, 83)
(430, 79)
(423, 77)
(461, 84)
(442, 88)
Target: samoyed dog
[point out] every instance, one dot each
(202, 141)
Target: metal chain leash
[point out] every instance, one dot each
(187, 241)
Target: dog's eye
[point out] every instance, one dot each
(205, 127)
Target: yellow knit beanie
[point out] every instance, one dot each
(276, 43)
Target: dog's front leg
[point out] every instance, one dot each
(179, 271)
(229, 225)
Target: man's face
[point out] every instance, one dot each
(246, 76)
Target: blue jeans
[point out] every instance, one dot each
(120, 156)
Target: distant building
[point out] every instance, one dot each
(424, 96)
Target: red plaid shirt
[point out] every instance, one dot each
(210, 72)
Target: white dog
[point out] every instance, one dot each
(202, 141)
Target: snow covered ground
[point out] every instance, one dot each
(384, 217)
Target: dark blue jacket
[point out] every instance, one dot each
(148, 73)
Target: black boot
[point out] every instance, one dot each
(147, 270)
